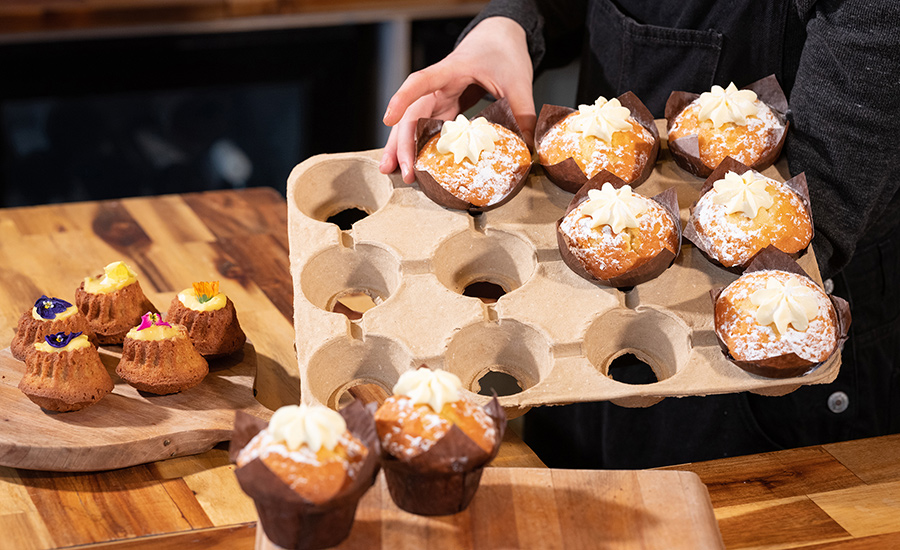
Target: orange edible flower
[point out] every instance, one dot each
(206, 290)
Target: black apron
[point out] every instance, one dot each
(631, 49)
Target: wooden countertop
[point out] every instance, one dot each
(845, 495)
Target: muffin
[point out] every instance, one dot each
(776, 323)
(435, 443)
(741, 212)
(472, 165)
(306, 471)
(64, 373)
(724, 122)
(604, 136)
(48, 316)
(112, 302)
(618, 237)
(209, 317)
(158, 357)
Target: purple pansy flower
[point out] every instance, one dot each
(61, 339)
(49, 308)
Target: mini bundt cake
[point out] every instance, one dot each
(209, 317)
(64, 373)
(112, 302)
(158, 357)
(48, 316)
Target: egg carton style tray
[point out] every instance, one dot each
(553, 331)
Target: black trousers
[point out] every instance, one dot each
(863, 401)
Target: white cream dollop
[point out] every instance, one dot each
(434, 388)
(617, 208)
(467, 140)
(315, 426)
(789, 304)
(602, 119)
(744, 193)
(722, 105)
(727, 105)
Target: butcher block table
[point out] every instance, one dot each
(844, 495)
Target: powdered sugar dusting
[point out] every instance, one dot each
(743, 143)
(733, 239)
(625, 156)
(749, 341)
(483, 183)
(607, 254)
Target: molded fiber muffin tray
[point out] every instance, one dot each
(553, 331)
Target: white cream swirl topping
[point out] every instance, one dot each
(434, 388)
(602, 119)
(791, 304)
(617, 208)
(722, 105)
(744, 193)
(314, 426)
(467, 140)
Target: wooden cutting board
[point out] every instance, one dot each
(127, 427)
(545, 509)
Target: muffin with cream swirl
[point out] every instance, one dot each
(435, 442)
(306, 471)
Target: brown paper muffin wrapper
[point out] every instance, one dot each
(442, 480)
(498, 112)
(289, 520)
(648, 270)
(567, 175)
(788, 365)
(686, 150)
(797, 184)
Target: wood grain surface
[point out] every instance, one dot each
(126, 427)
(545, 509)
(845, 495)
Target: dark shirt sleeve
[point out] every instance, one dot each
(845, 119)
(554, 28)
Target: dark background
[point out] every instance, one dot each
(118, 117)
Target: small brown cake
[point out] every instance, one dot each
(159, 358)
(479, 162)
(775, 323)
(112, 302)
(616, 231)
(728, 123)
(210, 319)
(48, 316)
(602, 136)
(64, 373)
(435, 443)
(743, 213)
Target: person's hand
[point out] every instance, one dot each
(493, 57)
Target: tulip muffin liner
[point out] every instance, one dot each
(797, 184)
(648, 270)
(498, 112)
(442, 480)
(686, 150)
(787, 365)
(567, 175)
(289, 520)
